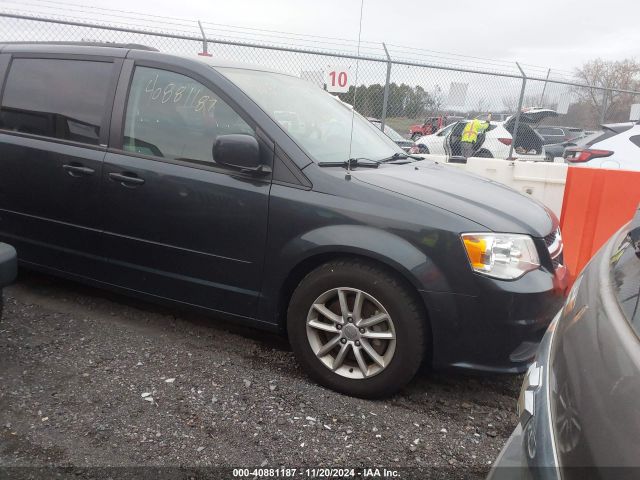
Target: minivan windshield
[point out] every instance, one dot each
(318, 122)
(390, 132)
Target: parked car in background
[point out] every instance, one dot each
(402, 142)
(255, 196)
(578, 406)
(617, 147)
(8, 268)
(431, 125)
(557, 150)
(290, 121)
(554, 135)
(494, 142)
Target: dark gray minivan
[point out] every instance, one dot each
(259, 197)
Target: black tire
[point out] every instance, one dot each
(1, 303)
(402, 305)
(483, 153)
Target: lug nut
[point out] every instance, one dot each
(344, 340)
(350, 320)
(362, 330)
(357, 343)
(339, 327)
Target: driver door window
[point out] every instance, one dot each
(172, 116)
(445, 130)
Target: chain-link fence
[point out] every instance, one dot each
(429, 102)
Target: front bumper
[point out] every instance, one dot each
(499, 330)
(530, 452)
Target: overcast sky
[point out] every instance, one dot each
(556, 33)
(560, 34)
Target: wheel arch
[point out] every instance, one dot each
(308, 264)
(384, 249)
(423, 149)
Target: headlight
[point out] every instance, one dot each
(501, 255)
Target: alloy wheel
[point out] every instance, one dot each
(351, 333)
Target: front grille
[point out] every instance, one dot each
(553, 242)
(549, 239)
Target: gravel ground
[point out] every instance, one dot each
(94, 379)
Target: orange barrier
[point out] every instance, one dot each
(596, 204)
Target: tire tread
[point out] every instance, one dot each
(414, 312)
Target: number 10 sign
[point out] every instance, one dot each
(337, 78)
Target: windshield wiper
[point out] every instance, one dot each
(399, 156)
(368, 162)
(352, 163)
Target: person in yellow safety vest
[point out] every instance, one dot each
(470, 135)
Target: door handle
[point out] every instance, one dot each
(77, 170)
(126, 179)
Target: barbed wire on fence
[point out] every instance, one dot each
(402, 87)
(82, 13)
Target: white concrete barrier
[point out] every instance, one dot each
(544, 181)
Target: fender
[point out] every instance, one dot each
(332, 241)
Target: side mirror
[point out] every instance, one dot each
(239, 151)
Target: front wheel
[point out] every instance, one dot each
(357, 329)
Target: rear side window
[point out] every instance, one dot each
(63, 99)
(602, 136)
(172, 116)
(635, 140)
(445, 130)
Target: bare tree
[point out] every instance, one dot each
(623, 75)
(437, 99)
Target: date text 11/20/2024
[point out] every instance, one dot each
(265, 473)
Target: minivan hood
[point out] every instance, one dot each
(493, 205)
